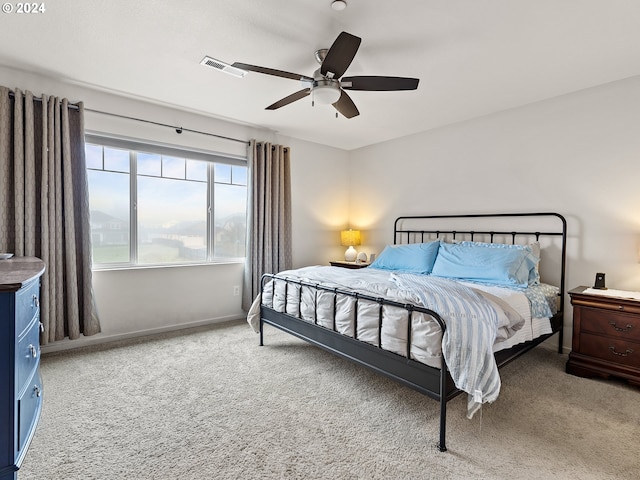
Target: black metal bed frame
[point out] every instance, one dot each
(433, 382)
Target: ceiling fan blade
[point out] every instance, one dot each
(290, 99)
(374, 83)
(340, 55)
(272, 71)
(346, 106)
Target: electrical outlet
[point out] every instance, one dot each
(236, 290)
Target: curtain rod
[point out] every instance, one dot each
(178, 130)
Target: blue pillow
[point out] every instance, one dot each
(532, 259)
(485, 263)
(410, 258)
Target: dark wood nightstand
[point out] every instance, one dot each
(606, 336)
(344, 264)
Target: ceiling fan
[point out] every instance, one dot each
(328, 84)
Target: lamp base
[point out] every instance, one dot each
(351, 254)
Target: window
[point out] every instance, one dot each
(156, 205)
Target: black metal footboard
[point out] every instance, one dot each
(433, 382)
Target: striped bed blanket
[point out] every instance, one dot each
(472, 321)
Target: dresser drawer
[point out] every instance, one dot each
(27, 305)
(29, 406)
(28, 354)
(612, 323)
(614, 350)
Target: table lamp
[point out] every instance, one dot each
(350, 238)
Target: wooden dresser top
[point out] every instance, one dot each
(16, 271)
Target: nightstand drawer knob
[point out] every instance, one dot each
(618, 329)
(626, 353)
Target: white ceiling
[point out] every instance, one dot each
(473, 57)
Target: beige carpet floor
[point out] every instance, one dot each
(209, 403)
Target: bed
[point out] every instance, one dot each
(449, 302)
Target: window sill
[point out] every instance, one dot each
(108, 268)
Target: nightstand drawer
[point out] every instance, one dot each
(614, 324)
(28, 354)
(614, 350)
(607, 303)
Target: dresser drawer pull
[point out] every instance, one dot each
(36, 301)
(37, 391)
(33, 350)
(618, 329)
(621, 354)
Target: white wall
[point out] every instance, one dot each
(578, 155)
(147, 300)
(319, 191)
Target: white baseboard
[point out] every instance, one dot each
(552, 344)
(100, 338)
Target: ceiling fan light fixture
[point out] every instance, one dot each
(338, 5)
(326, 94)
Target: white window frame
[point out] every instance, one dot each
(136, 145)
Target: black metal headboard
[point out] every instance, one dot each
(493, 228)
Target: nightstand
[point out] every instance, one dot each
(344, 264)
(606, 336)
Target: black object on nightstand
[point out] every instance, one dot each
(344, 264)
(606, 337)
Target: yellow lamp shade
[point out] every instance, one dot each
(349, 238)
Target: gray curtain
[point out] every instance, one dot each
(269, 216)
(44, 206)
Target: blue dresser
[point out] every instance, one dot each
(20, 382)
